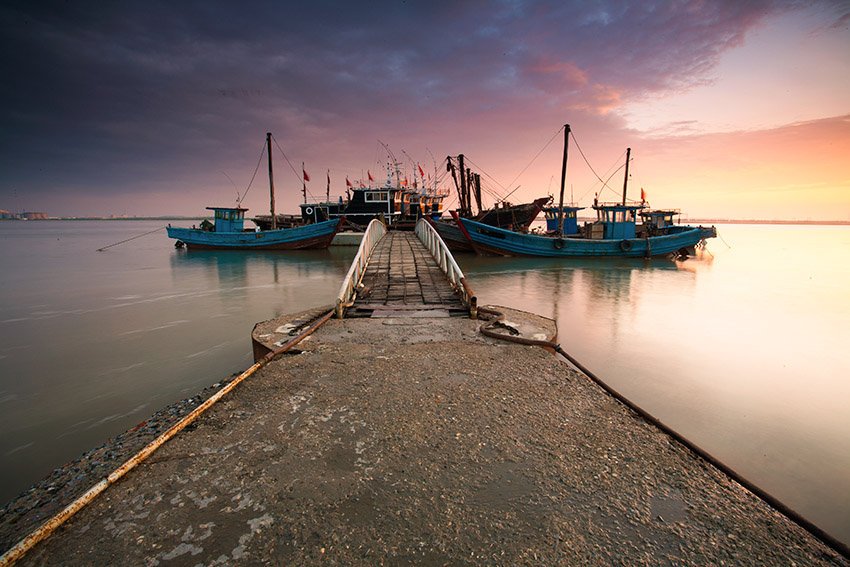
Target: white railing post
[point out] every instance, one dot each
(347, 291)
(441, 254)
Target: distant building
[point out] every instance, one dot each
(6, 215)
(30, 215)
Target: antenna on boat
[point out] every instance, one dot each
(563, 179)
(435, 169)
(413, 163)
(395, 164)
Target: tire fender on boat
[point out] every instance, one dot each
(625, 245)
(558, 243)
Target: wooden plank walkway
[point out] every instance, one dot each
(402, 279)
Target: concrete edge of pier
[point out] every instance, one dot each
(418, 442)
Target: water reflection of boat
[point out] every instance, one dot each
(228, 232)
(614, 233)
(333, 258)
(490, 264)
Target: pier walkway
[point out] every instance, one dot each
(402, 278)
(404, 274)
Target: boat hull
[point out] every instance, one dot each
(515, 217)
(490, 240)
(318, 235)
(452, 235)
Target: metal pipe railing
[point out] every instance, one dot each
(348, 290)
(438, 249)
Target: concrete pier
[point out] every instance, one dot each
(400, 441)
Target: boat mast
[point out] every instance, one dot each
(563, 180)
(626, 180)
(271, 178)
(465, 205)
(303, 182)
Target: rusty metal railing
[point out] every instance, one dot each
(348, 290)
(438, 249)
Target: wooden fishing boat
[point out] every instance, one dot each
(228, 231)
(614, 233)
(510, 217)
(228, 234)
(503, 214)
(489, 240)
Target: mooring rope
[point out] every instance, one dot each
(129, 239)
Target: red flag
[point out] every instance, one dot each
(347, 182)
(421, 173)
(370, 175)
(642, 194)
(306, 177)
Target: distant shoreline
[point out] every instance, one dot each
(755, 221)
(687, 221)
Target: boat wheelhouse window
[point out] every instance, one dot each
(376, 196)
(616, 215)
(217, 214)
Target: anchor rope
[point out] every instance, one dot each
(129, 239)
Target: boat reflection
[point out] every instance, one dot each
(592, 300)
(232, 268)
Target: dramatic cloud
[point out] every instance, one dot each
(139, 97)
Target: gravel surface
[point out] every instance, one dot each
(419, 442)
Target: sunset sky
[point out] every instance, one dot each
(732, 109)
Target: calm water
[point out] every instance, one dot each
(743, 350)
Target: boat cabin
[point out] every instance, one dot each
(228, 219)
(570, 219)
(618, 221)
(658, 219)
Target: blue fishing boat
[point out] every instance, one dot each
(615, 232)
(679, 240)
(228, 231)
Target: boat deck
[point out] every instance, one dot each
(402, 279)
